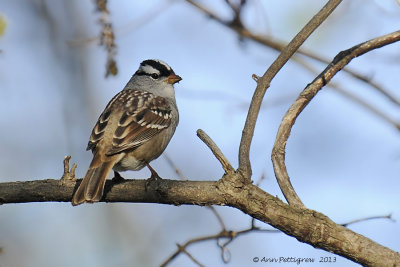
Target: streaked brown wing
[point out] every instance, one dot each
(99, 128)
(150, 116)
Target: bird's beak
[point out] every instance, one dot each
(173, 78)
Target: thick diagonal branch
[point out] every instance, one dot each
(305, 225)
(339, 62)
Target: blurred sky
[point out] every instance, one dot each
(342, 159)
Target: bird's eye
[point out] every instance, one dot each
(155, 76)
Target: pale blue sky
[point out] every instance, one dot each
(342, 159)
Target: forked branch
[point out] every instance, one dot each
(338, 63)
(263, 84)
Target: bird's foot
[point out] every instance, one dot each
(154, 178)
(117, 178)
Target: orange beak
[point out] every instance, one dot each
(173, 78)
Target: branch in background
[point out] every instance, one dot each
(107, 37)
(229, 236)
(368, 106)
(338, 63)
(174, 167)
(243, 32)
(353, 97)
(223, 234)
(136, 23)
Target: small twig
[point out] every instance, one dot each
(136, 23)
(219, 218)
(107, 37)
(173, 166)
(182, 249)
(255, 77)
(375, 85)
(262, 177)
(231, 235)
(389, 216)
(368, 106)
(216, 151)
(225, 252)
(68, 175)
(338, 63)
(180, 174)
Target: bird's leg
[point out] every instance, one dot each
(117, 177)
(154, 176)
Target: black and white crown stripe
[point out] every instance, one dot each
(152, 66)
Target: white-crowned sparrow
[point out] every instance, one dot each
(134, 128)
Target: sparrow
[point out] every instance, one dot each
(134, 128)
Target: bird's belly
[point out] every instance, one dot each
(129, 162)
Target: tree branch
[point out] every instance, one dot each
(305, 225)
(264, 82)
(276, 45)
(338, 63)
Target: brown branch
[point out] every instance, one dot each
(353, 97)
(230, 235)
(341, 60)
(305, 225)
(262, 85)
(107, 37)
(216, 151)
(182, 249)
(183, 178)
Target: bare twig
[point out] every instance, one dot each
(180, 174)
(261, 179)
(183, 178)
(341, 60)
(136, 23)
(375, 85)
(107, 37)
(68, 175)
(219, 218)
(389, 216)
(182, 249)
(173, 166)
(216, 151)
(230, 235)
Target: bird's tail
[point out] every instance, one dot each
(92, 186)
